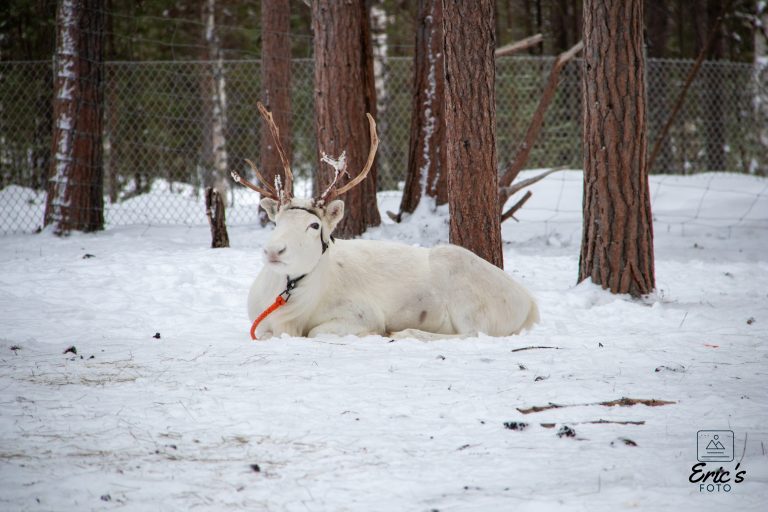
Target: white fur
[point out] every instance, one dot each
(372, 287)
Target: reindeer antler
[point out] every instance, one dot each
(276, 191)
(264, 192)
(332, 192)
(287, 189)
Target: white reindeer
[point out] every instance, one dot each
(312, 284)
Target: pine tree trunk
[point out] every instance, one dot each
(657, 16)
(216, 155)
(344, 92)
(75, 198)
(275, 86)
(426, 174)
(714, 127)
(470, 120)
(617, 238)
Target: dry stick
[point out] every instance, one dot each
(520, 185)
(508, 192)
(532, 347)
(623, 402)
(513, 209)
(681, 97)
(595, 422)
(519, 45)
(267, 115)
(538, 118)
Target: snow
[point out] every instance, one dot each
(341, 423)
(338, 164)
(68, 20)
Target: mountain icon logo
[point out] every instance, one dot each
(714, 445)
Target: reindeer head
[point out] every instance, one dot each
(302, 233)
(303, 226)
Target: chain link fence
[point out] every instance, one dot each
(155, 128)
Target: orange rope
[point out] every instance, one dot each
(279, 301)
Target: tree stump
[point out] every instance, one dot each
(214, 209)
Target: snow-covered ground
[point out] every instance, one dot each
(200, 417)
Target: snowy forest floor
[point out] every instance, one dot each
(199, 417)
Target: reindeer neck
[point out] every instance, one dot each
(304, 289)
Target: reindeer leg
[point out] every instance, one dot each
(341, 327)
(420, 335)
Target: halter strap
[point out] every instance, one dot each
(280, 301)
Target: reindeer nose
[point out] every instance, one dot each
(274, 251)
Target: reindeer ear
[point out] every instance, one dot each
(270, 206)
(334, 213)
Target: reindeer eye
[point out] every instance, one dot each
(315, 225)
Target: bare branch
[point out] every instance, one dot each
(508, 192)
(267, 115)
(681, 97)
(332, 194)
(537, 120)
(519, 45)
(517, 187)
(511, 213)
(571, 52)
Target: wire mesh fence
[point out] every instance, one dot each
(155, 126)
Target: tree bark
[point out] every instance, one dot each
(344, 92)
(426, 175)
(75, 198)
(215, 153)
(657, 14)
(275, 86)
(617, 238)
(470, 120)
(713, 85)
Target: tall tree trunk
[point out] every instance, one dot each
(344, 92)
(714, 125)
(215, 155)
(378, 18)
(617, 239)
(657, 15)
(370, 206)
(75, 200)
(426, 174)
(275, 86)
(559, 39)
(470, 120)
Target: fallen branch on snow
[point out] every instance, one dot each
(622, 402)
